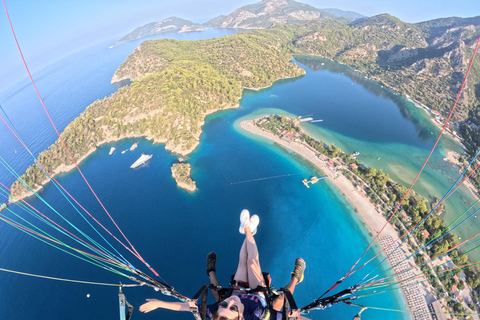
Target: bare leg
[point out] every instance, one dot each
(213, 280)
(297, 277)
(242, 274)
(255, 276)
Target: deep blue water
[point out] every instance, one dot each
(174, 230)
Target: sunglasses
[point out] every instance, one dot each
(224, 304)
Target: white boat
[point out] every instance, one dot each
(313, 180)
(134, 146)
(305, 119)
(143, 158)
(112, 150)
(124, 151)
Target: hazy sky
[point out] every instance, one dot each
(50, 28)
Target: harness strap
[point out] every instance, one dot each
(288, 304)
(123, 304)
(203, 309)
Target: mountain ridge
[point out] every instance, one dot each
(259, 15)
(266, 13)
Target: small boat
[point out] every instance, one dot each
(305, 119)
(143, 158)
(124, 151)
(317, 120)
(378, 158)
(134, 146)
(305, 182)
(112, 150)
(312, 181)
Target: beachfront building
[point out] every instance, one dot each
(288, 136)
(405, 216)
(425, 233)
(437, 114)
(456, 293)
(436, 307)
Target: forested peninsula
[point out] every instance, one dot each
(175, 84)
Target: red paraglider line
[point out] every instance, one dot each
(59, 136)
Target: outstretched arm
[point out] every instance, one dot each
(153, 304)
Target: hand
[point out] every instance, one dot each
(152, 304)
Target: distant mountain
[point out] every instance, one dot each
(266, 13)
(440, 26)
(350, 15)
(169, 24)
(260, 15)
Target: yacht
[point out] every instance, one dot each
(143, 158)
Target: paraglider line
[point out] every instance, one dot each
(266, 178)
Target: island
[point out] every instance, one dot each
(167, 25)
(374, 201)
(181, 172)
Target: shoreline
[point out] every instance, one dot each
(364, 208)
(169, 146)
(453, 157)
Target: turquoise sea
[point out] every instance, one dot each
(173, 229)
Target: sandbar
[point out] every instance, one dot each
(375, 221)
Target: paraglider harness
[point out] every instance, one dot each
(269, 292)
(126, 309)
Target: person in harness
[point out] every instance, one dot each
(247, 300)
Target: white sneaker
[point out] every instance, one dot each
(254, 221)
(244, 220)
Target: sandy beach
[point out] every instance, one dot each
(364, 208)
(453, 157)
(416, 295)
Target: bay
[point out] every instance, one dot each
(174, 230)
